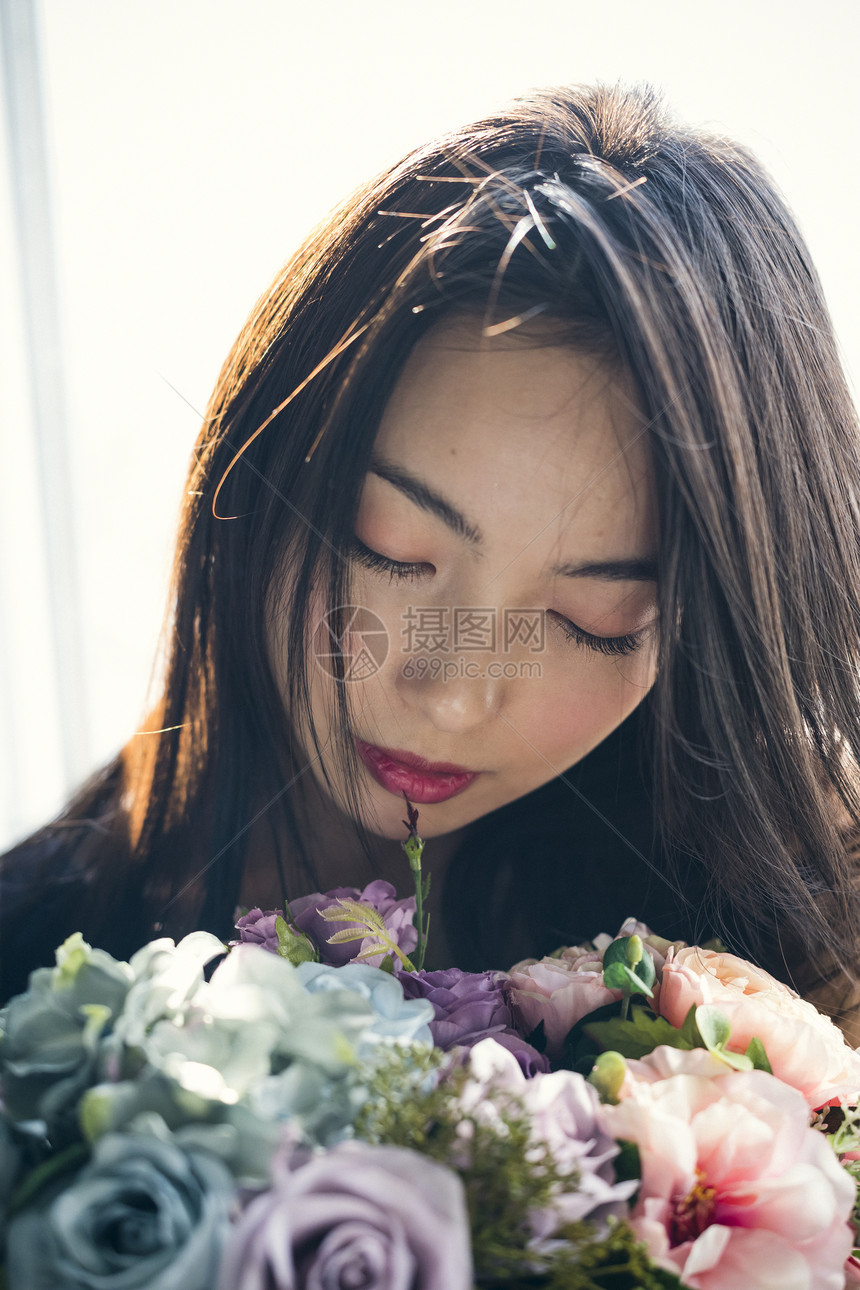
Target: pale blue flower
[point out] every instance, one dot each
(394, 1017)
(284, 1044)
(76, 1022)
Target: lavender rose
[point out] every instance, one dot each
(469, 1007)
(257, 927)
(379, 1218)
(381, 896)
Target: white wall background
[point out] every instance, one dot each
(192, 143)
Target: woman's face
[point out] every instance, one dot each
(505, 474)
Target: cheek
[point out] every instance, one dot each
(569, 710)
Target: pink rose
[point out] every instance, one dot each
(558, 992)
(737, 1189)
(565, 987)
(805, 1048)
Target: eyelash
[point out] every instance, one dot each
(399, 571)
(602, 644)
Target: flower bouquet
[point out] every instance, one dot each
(309, 1108)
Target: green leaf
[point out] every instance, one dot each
(690, 1031)
(349, 934)
(616, 952)
(640, 1034)
(714, 1027)
(757, 1055)
(294, 946)
(371, 952)
(738, 1061)
(352, 911)
(628, 952)
(618, 976)
(645, 969)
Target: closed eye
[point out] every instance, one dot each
(406, 571)
(397, 570)
(602, 644)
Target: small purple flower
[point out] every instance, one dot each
(382, 1218)
(566, 1119)
(381, 896)
(565, 1114)
(469, 1007)
(258, 928)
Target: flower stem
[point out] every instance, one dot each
(414, 846)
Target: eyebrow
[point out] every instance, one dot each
(425, 497)
(428, 499)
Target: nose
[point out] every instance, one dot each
(455, 693)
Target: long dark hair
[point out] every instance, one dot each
(671, 251)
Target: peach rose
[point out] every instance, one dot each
(805, 1048)
(737, 1190)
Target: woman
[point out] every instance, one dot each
(572, 334)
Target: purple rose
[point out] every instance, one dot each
(382, 1218)
(381, 896)
(471, 1006)
(258, 928)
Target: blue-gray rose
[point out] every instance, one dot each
(142, 1215)
(49, 1036)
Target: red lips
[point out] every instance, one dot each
(423, 781)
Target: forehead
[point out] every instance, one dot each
(525, 427)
